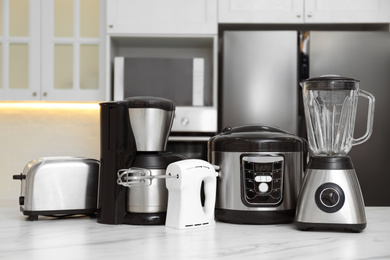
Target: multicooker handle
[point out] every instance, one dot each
(370, 117)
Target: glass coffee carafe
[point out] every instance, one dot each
(330, 108)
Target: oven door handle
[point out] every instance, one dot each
(189, 138)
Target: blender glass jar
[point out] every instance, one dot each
(330, 104)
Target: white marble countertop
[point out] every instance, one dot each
(84, 238)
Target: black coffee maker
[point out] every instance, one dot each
(134, 133)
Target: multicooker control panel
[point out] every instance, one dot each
(263, 180)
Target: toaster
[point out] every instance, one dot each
(59, 186)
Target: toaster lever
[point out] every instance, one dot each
(21, 200)
(19, 177)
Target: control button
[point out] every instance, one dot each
(249, 184)
(249, 174)
(250, 194)
(248, 165)
(263, 187)
(330, 197)
(278, 166)
(263, 178)
(275, 194)
(276, 184)
(277, 174)
(185, 121)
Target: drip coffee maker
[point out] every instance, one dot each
(330, 196)
(134, 134)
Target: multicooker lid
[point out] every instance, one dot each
(254, 138)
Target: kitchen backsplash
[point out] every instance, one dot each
(32, 130)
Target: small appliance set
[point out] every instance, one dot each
(331, 195)
(262, 173)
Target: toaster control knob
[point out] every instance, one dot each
(185, 121)
(263, 187)
(19, 177)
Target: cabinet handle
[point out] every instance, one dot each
(110, 26)
(309, 14)
(34, 94)
(45, 94)
(299, 15)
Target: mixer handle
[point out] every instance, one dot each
(370, 117)
(135, 176)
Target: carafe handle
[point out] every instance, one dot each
(370, 117)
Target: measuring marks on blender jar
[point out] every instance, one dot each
(263, 180)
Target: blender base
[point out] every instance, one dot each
(329, 226)
(330, 197)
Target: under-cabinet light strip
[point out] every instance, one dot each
(49, 105)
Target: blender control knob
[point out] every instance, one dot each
(330, 197)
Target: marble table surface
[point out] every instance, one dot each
(84, 238)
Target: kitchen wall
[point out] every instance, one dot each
(32, 130)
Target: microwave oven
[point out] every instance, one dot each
(181, 80)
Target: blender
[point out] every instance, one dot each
(330, 197)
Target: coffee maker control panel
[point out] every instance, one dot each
(262, 179)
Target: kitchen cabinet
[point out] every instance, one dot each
(162, 17)
(303, 11)
(19, 50)
(347, 11)
(260, 11)
(52, 50)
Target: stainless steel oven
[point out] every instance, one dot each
(190, 146)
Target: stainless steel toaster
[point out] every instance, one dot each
(58, 186)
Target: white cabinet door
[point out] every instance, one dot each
(52, 50)
(260, 11)
(347, 11)
(20, 50)
(162, 17)
(303, 11)
(72, 50)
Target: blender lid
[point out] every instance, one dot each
(255, 138)
(150, 102)
(330, 82)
